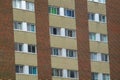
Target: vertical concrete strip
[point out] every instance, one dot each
(83, 40)
(7, 56)
(43, 40)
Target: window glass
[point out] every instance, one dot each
(69, 13)
(32, 70)
(53, 10)
(57, 72)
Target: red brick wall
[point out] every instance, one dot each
(113, 24)
(43, 40)
(7, 59)
(83, 40)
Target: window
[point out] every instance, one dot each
(94, 56)
(102, 18)
(103, 37)
(71, 53)
(30, 6)
(70, 33)
(92, 36)
(72, 74)
(57, 72)
(18, 46)
(30, 27)
(55, 31)
(91, 16)
(53, 10)
(56, 51)
(106, 77)
(32, 70)
(17, 3)
(94, 76)
(69, 13)
(19, 68)
(18, 25)
(102, 1)
(31, 48)
(104, 57)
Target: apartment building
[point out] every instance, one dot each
(59, 40)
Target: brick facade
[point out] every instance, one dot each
(7, 59)
(113, 24)
(82, 40)
(43, 40)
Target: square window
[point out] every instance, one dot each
(106, 77)
(17, 3)
(105, 57)
(92, 36)
(72, 74)
(91, 16)
(53, 10)
(103, 38)
(94, 56)
(70, 33)
(30, 27)
(30, 6)
(19, 68)
(57, 72)
(69, 13)
(32, 70)
(56, 51)
(71, 53)
(19, 46)
(17, 25)
(31, 48)
(94, 76)
(54, 31)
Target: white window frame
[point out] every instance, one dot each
(55, 31)
(70, 33)
(30, 48)
(92, 36)
(17, 47)
(18, 25)
(17, 4)
(20, 69)
(72, 74)
(71, 53)
(30, 6)
(56, 51)
(31, 68)
(71, 11)
(31, 27)
(57, 72)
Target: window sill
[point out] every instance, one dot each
(25, 52)
(24, 31)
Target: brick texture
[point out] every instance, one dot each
(113, 24)
(7, 59)
(82, 40)
(43, 40)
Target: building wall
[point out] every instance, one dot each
(113, 19)
(7, 60)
